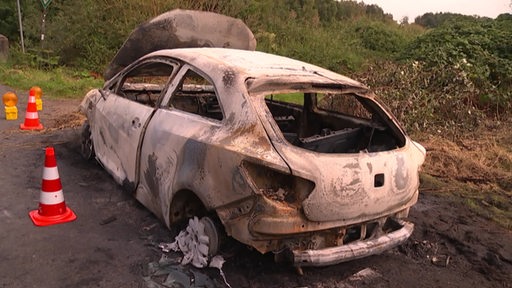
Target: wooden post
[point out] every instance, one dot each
(21, 26)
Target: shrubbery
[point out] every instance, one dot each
(87, 33)
(449, 76)
(434, 99)
(478, 49)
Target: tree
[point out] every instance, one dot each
(9, 20)
(431, 20)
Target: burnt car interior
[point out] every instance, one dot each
(196, 95)
(145, 83)
(329, 122)
(146, 95)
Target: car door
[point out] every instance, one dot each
(177, 136)
(123, 113)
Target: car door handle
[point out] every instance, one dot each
(136, 122)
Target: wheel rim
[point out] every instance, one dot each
(198, 242)
(213, 235)
(87, 147)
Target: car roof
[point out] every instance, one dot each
(255, 64)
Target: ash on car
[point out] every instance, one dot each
(281, 155)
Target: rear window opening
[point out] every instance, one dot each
(328, 122)
(195, 94)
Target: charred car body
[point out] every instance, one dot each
(291, 158)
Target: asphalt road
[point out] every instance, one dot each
(105, 247)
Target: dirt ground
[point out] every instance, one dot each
(114, 241)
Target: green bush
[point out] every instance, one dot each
(479, 48)
(88, 33)
(380, 37)
(433, 99)
(462, 68)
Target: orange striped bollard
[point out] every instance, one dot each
(31, 116)
(52, 207)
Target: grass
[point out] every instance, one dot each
(490, 203)
(56, 83)
(293, 98)
(487, 200)
(475, 167)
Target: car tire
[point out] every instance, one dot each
(211, 229)
(86, 143)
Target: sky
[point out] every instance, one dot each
(414, 8)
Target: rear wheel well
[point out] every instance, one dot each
(184, 205)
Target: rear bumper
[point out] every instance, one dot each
(354, 250)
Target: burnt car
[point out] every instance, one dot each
(282, 155)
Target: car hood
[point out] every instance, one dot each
(182, 29)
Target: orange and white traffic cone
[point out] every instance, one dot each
(31, 116)
(52, 208)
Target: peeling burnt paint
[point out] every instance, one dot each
(150, 175)
(228, 78)
(231, 118)
(353, 165)
(370, 168)
(401, 174)
(195, 154)
(238, 183)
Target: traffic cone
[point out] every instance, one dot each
(31, 116)
(52, 208)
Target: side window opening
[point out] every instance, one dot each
(145, 83)
(195, 94)
(331, 122)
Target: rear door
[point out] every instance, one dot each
(180, 135)
(123, 113)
